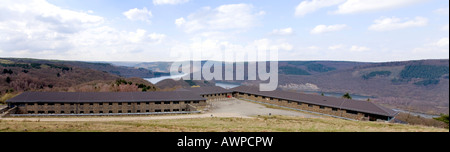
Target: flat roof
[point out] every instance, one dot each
(84, 97)
(208, 90)
(340, 103)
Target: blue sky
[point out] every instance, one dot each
(158, 30)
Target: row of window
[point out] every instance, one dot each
(101, 112)
(215, 95)
(309, 105)
(110, 103)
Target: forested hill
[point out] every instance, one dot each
(18, 75)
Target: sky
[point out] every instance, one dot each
(164, 30)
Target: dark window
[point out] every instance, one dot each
(256, 96)
(41, 112)
(62, 104)
(147, 103)
(334, 109)
(147, 111)
(120, 103)
(51, 112)
(166, 110)
(91, 111)
(183, 109)
(110, 111)
(129, 111)
(138, 111)
(41, 104)
(310, 105)
(271, 98)
(176, 102)
(352, 112)
(81, 111)
(101, 104)
(72, 104)
(120, 111)
(62, 111)
(138, 103)
(249, 95)
(81, 104)
(299, 103)
(157, 102)
(187, 102)
(72, 111)
(289, 101)
(176, 109)
(91, 104)
(322, 107)
(110, 103)
(366, 115)
(30, 104)
(100, 112)
(196, 102)
(51, 104)
(129, 103)
(30, 111)
(167, 102)
(240, 93)
(157, 110)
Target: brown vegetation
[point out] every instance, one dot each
(417, 120)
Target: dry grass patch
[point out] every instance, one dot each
(257, 124)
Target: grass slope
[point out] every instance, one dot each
(257, 124)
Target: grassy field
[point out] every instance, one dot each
(257, 124)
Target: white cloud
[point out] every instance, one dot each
(180, 21)
(58, 33)
(306, 7)
(136, 14)
(169, 2)
(286, 31)
(319, 29)
(445, 28)
(355, 48)
(393, 23)
(356, 6)
(442, 11)
(225, 17)
(336, 47)
(442, 42)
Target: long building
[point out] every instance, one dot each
(189, 99)
(339, 107)
(85, 103)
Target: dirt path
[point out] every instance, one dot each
(224, 108)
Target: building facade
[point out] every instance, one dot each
(336, 107)
(62, 103)
(188, 100)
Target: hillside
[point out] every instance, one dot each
(420, 86)
(172, 84)
(18, 75)
(121, 71)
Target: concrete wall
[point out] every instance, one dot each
(309, 107)
(107, 107)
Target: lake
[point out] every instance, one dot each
(158, 79)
